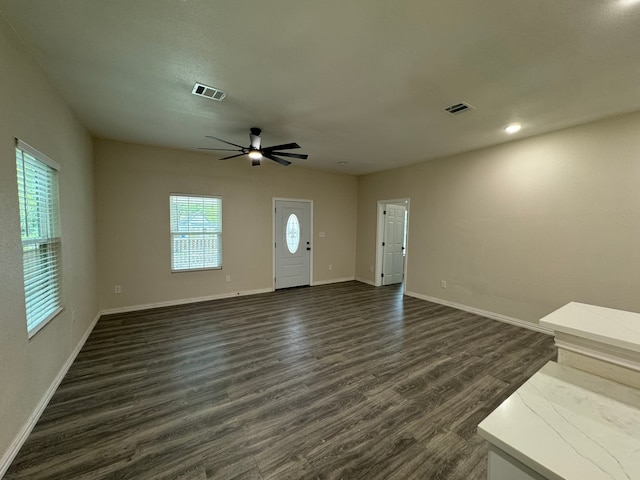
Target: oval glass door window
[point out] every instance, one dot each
(293, 233)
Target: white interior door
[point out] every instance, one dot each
(393, 246)
(292, 244)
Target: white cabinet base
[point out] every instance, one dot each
(503, 466)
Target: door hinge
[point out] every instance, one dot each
(382, 275)
(384, 212)
(383, 244)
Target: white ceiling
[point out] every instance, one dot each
(357, 81)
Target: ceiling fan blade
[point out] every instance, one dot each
(291, 155)
(276, 159)
(221, 149)
(286, 146)
(232, 156)
(224, 141)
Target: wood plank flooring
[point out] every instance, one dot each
(341, 381)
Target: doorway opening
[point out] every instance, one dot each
(392, 242)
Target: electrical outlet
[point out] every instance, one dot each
(228, 279)
(117, 289)
(443, 284)
(330, 267)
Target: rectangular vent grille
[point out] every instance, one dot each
(208, 92)
(458, 108)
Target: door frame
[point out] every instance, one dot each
(273, 237)
(377, 280)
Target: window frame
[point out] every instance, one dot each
(49, 220)
(173, 233)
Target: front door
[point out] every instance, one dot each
(393, 246)
(292, 244)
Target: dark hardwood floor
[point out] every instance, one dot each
(340, 381)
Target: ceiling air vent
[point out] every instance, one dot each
(458, 108)
(208, 92)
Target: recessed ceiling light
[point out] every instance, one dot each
(342, 163)
(627, 2)
(513, 128)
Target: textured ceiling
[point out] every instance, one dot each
(360, 81)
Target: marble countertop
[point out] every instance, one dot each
(567, 424)
(600, 324)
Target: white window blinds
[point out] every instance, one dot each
(196, 232)
(40, 231)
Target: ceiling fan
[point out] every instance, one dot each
(256, 152)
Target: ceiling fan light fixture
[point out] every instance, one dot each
(255, 155)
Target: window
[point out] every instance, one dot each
(293, 233)
(196, 232)
(40, 231)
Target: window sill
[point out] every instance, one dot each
(187, 270)
(44, 323)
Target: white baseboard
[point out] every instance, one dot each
(483, 313)
(333, 280)
(364, 280)
(184, 301)
(171, 303)
(18, 441)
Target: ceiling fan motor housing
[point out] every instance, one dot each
(255, 137)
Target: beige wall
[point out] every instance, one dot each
(133, 184)
(34, 112)
(522, 228)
